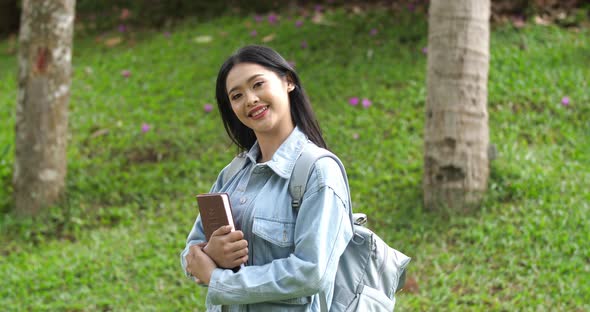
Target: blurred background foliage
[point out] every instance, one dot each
(103, 15)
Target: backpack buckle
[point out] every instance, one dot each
(359, 219)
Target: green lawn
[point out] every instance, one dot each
(114, 244)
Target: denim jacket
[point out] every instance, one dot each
(293, 254)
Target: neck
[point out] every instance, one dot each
(269, 143)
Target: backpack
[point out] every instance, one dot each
(369, 272)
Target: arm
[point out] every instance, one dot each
(322, 232)
(196, 236)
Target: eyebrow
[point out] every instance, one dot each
(249, 79)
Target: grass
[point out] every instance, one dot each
(114, 242)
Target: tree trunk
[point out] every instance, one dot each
(456, 136)
(45, 52)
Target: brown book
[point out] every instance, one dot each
(215, 209)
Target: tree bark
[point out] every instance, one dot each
(44, 79)
(456, 136)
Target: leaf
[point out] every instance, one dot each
(541, 21)
(518, 23)
(203, 39)
(99, 132)
(269, 38)
(111, 42)
(318, 18)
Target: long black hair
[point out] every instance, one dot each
(301, 112)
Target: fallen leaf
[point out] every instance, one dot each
(111, 42)
(269, 38)
(203, 39)
(411, 286)
(518, 23)
(541, 21)
(318, 18)
(99, 133)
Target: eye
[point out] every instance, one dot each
(236, 96)
(258, 84)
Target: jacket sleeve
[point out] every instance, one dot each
(322, 231)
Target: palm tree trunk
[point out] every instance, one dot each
(456, 137)
(45, 52)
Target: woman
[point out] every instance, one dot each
(289, 256)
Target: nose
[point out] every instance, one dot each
(252, 98)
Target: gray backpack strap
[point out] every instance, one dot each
(236, 165)
(310, 154)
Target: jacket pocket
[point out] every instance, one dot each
(371, 299)
(278, 233)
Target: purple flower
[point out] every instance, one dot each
(373, 32)
(167, 34)
(253, 33)
(208, 108)
(366, 103)
(411, 7)
(145, 127)
(272, 18)
(425, 50)
(318, 8)
(258, 18)
(354, 101)
(304, 44)
(565, 101)
(125, 73)
(298, 23)
(122, 28)
(291, 63)
(355, 136)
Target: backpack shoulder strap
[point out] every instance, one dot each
(236, 165)
(298, 183)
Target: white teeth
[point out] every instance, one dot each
(258, 112)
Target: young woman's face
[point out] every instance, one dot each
(260, 98)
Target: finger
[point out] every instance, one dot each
(240, 245)
(241, 260)
(193, 248)
(236, 257)
(240, 253)
(222, 230)
(236, 235)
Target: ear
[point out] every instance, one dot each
(290, 83)
(290, 86)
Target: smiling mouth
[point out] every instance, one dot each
(258, 112)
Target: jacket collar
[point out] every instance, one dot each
(284, 158)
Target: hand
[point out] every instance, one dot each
(228, 249)
(199, 265)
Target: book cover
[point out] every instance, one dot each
(215, 209)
